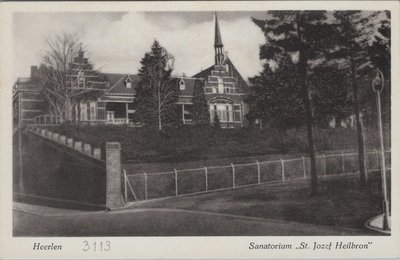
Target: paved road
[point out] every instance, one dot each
(42, 221)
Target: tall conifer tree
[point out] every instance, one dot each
(353, 31)
(304, 34)
(270, 101)
(156, 94)
(201, 115)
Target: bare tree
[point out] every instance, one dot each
(63, 80)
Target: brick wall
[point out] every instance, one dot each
(58, 171)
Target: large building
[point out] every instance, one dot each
(109, 98)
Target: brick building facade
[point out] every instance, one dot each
(109, 97)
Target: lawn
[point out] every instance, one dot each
(194, 143)
(341, 202)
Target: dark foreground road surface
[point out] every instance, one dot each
(41, 221)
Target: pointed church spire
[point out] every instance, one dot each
(218, 39)
(218, 46)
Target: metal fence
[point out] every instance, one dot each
(148, 186)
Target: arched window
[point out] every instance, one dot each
(227, 110)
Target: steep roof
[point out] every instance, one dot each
(118, 87)
(117, 83)
(189, 85)
(242, 84)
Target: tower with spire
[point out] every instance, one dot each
(218, 46)
(224, 88)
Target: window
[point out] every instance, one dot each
(229, 116)
(187, 112)
(88, 111)
(93, 110)
(182, 84)
(220, 85)
(237, 113)
(128, 82)
(110, 116)
(83, 111)
(213, 79)
(77, 118)
(223, 110)
(227, 112)
(81, 79)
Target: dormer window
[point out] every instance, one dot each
(128, 82)
(81, 79)
(182, 84)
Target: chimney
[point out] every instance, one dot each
(34, 72)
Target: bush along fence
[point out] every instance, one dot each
(71, 163)
(149, 186)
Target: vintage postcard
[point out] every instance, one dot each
(219, 129)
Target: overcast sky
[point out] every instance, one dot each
(117, 41)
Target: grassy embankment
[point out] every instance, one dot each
(191, 147)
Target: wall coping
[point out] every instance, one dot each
(48, 135)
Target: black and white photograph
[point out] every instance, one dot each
(202, 122)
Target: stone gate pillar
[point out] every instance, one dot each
(114, 198)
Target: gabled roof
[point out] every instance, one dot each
(117, 84)
(242, 84)
(189, 85)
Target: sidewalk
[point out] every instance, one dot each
(376, 223)
(48, 211)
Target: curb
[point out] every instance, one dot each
(369, 226)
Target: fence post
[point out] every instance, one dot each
(324, 164)
(145, 186)
(283, 169)
(125, 187)
(304, 167)
(176, 182)
(342, 156)
(233, 175)
(205, 171)
(114, 198)
(258, 172)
